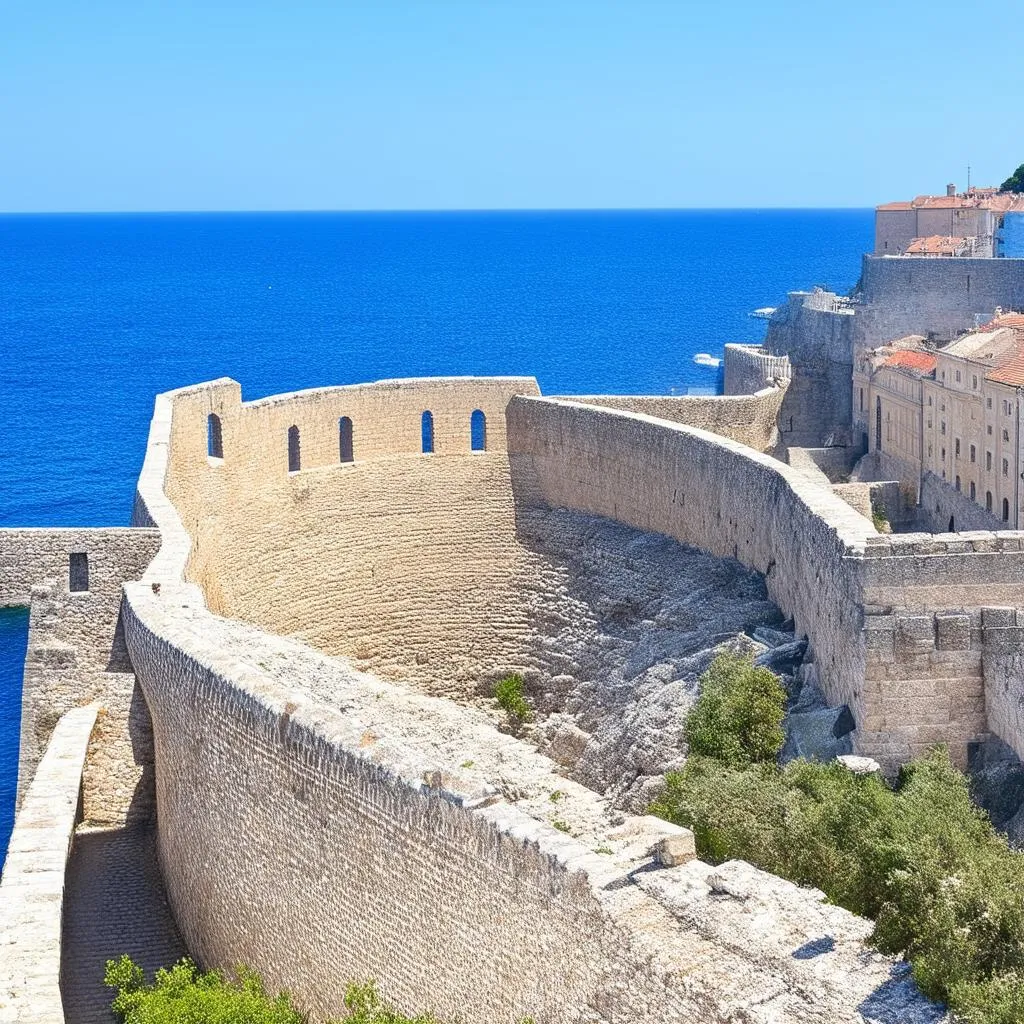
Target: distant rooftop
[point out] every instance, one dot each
(973, 198)
(941, 245)
(917, 363)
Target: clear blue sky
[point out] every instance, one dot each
(385, 104)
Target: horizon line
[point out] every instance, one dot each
(437, 210)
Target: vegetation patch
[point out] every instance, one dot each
(183, 994)
(942, 886)
(511, 697)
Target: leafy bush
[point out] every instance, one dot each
(1015, 182)
(508, 692)
(182, 994)
(738, 718)
(943, 887)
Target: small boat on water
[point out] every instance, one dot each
(764, 313)
(704, 359)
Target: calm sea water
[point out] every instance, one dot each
(99, 313)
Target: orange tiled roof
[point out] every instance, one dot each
(895, 206)
(1014, 320)
(909, 359)
(943, 245)
(1011, 372)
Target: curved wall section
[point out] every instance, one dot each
(715, 494)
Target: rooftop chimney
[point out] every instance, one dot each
(951, 190)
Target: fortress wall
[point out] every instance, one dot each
(750, 419)
(905, 295)
(346, 827)
(76, 655)
(715, 494)
(818, 340)
(940, 503)
(406, 562)
(748, 368)
(32, 886)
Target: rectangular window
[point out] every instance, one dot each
(988, 402)
(988, 430)
(942, 427)
(1006, 435)
(1006, 467)
(958, 376)
(929, 399)
(974, 382)
(929, 451)
(957, 448)
(974, 454)
(78, 572)
(988, 460)
(943, 459)
(861, 399)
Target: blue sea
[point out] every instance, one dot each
(98, 313)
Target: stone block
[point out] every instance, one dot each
(678, 849)
(997, 617)
(953, 632)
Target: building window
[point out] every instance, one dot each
(958, 376)
(1006, 435)
(988, 402)
(929, 399)
(956, 450)
(929, 422)
(929, 451)
(974, 382)
(478, 431)
(988, 430)
(294, 450)
(214, 437)
(1006, 510)
(942, 407)
(878, 424)
(942, 428)
(988, 461)
(345, 453)
(958, 483)
(943, 459)
(1006, 467)
(427, 432)
(861, 399)
(974, 454)
(988, 501)
(1006, 408)
(974, 491)
(78, 572)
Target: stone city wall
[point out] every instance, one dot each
(905, 295)
(32, 885)
(404, 562)
(750, 418)
(76, 655)
(815, 330)
(749, 368)
(392, 834)
(712, 493)
(942, 504)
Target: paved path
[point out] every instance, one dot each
(114, 903)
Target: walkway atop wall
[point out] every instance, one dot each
(114, 903)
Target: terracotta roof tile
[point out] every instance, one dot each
(920, 363)
(1011, 372)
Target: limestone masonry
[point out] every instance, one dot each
(281, 674)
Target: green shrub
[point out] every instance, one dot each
(943, 887)
(880, 518)
(183, 994)
(508, 692)
(738, 716)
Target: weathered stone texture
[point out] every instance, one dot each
(76, 655)
(32, 885)
(389, 833)
(751, 419)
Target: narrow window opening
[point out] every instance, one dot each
(427, 432)
(478, 431)
(294, 450)
(974, 492)
(958, 483)
(951, 525)
(78, 572)
(345, 439)
(878, 424)
(988, 501)
(1006, 510)
(214, 437)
